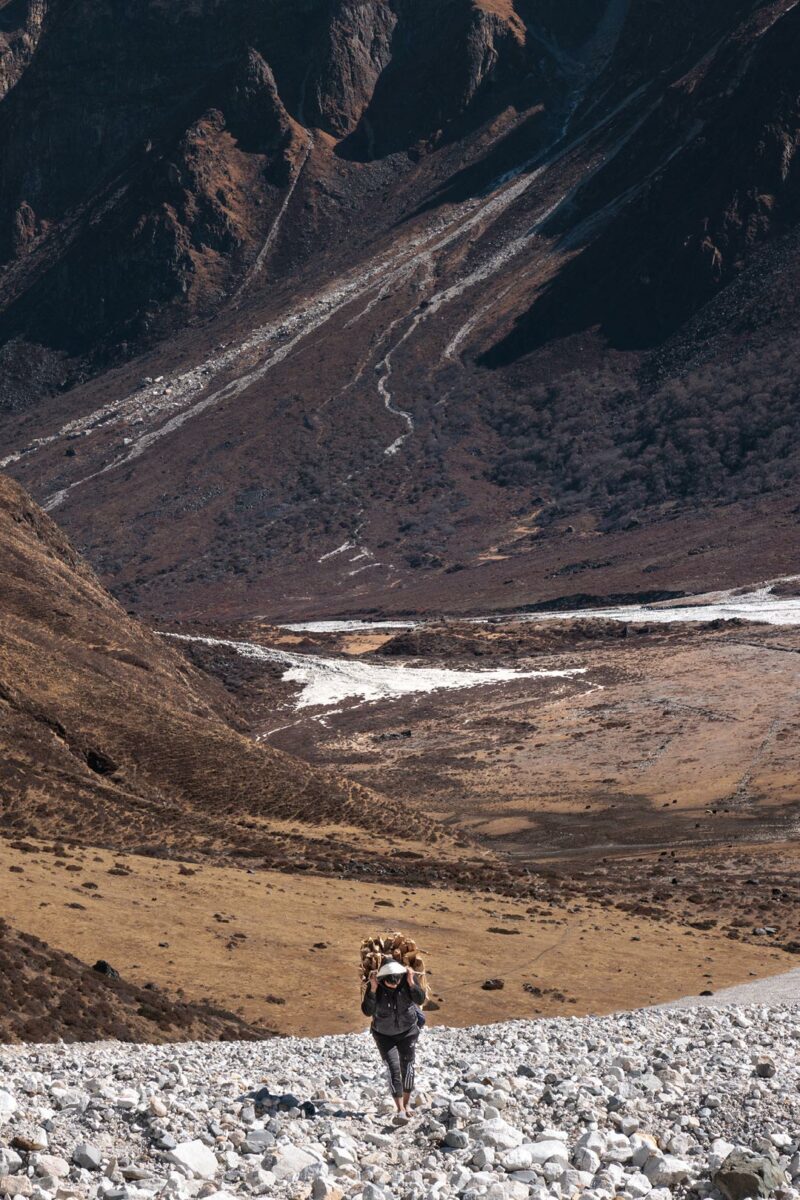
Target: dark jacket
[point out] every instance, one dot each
(393, 1010)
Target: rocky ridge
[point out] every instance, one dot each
(649, 1104)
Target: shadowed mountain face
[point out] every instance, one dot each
(108, 736)
(394, 304)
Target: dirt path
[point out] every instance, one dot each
(775, 989)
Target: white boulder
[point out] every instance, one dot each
(665, 1170)
(498, 1133)
(195, 1156)
(289, 1161)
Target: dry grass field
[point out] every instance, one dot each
(283, 950)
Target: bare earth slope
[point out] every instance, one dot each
(389, 304)
(49, 996)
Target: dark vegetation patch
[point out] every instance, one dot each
(722, 432)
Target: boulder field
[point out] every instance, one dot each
(655, 1103)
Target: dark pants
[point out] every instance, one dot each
(397, 1051)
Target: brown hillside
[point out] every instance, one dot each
(109, 736)
(46, 996)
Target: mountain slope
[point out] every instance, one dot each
(530, 313)
(109, 738)
(49, 996)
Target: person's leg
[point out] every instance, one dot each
(387, 1048)
(407, 1048)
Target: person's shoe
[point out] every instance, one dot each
(401, 1118)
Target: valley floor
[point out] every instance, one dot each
(282, 949)
(620, 803)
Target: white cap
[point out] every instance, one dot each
(391, 968)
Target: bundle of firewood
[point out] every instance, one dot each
(375, 951)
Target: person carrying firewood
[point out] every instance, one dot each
(392, 998)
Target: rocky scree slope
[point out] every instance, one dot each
(499, 280)
(700, 1103)
(108, 737)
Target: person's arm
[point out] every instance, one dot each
(370, 1001)
(417, 992)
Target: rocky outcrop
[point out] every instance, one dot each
(21, 25)
(256, 114)
(680, 208)
(445, 63)
(354, 47)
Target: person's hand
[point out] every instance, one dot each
(373, 981)
(410, 976)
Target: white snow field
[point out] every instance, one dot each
(645, 1105)
(758, 604)
(326, 682)
(354, 626)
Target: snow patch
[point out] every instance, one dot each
(339, 550)
(346, 626)
(759, 605)
(326, 682)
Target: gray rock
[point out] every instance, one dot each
(10, 1162)
(52, 1164)
(132, 1173)
(457, 1139)
(665, 1170)
(586, 1159)
(381, 1140)
(547, 1150)
(257, 1141)
(323, 1188)
(637, 1186)
(746, 1174)
(517, 1159)
(196, 1157)
(87, 1156)
(483, 1157)
(497, 1133)
(15, 1185)
(288, 1161)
